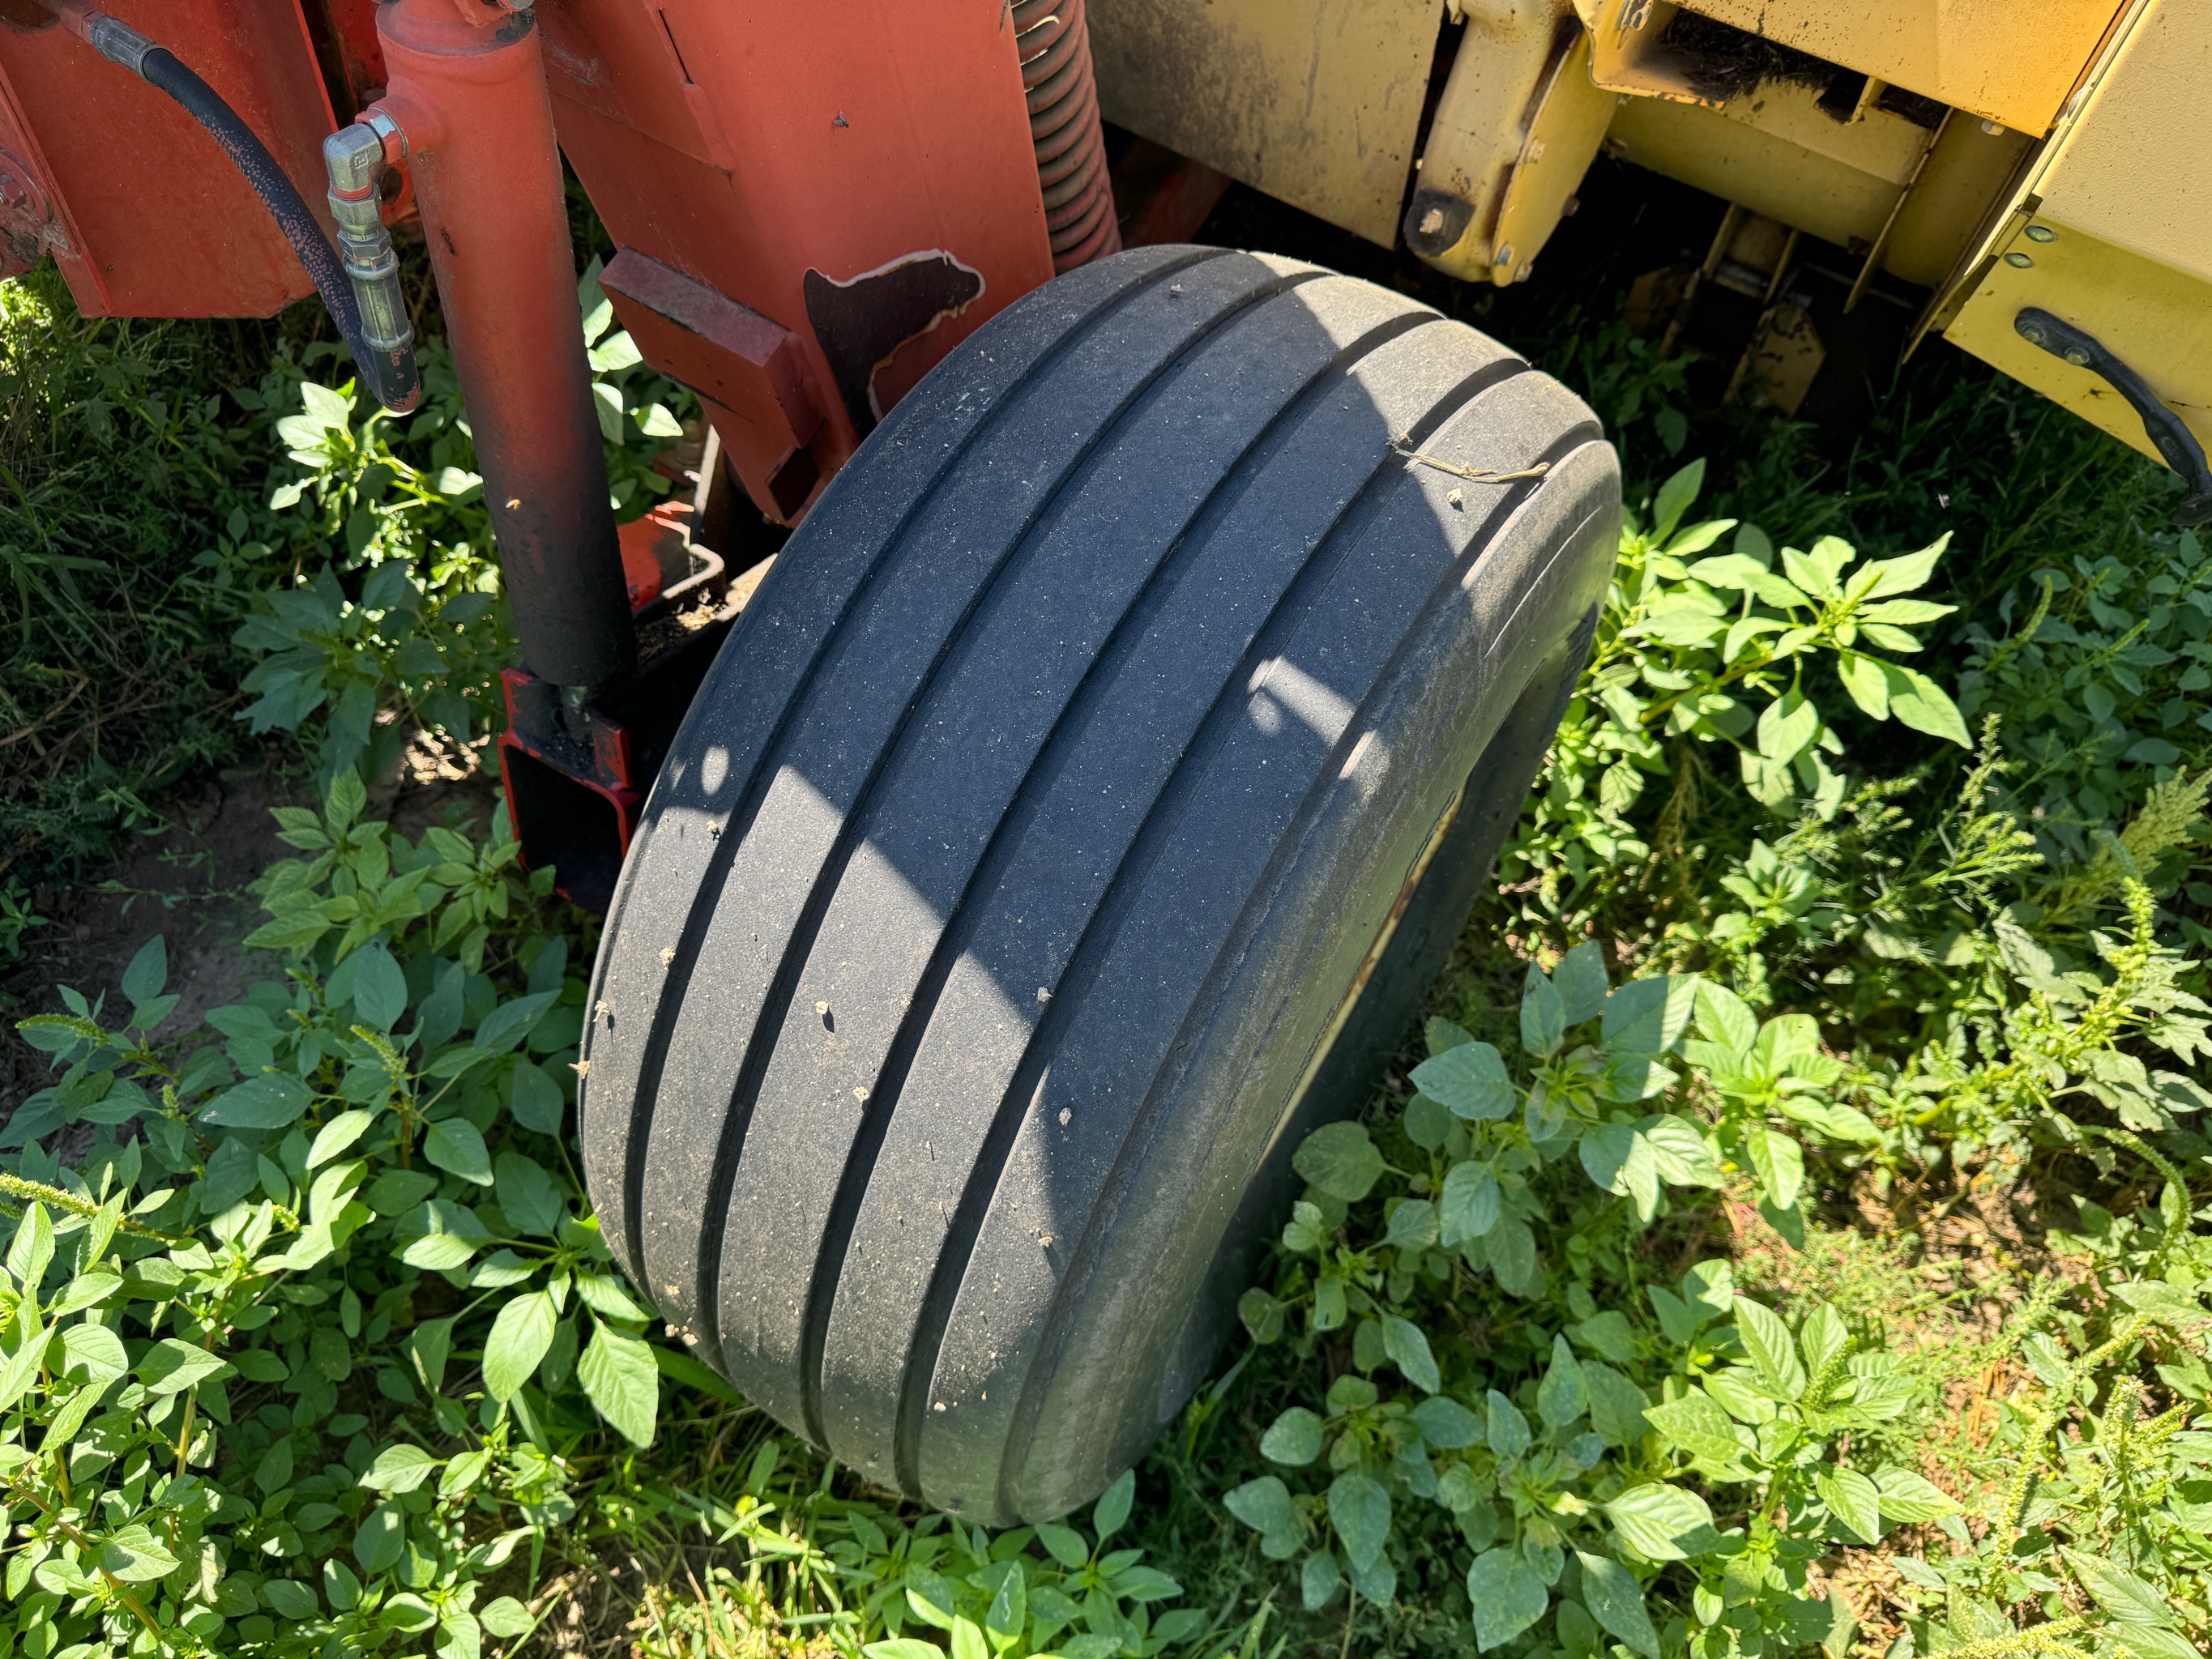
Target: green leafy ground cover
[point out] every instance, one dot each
(1784, 1234)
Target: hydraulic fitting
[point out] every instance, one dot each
(353, 158)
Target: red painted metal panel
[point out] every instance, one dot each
(860, 174)
(159, 221)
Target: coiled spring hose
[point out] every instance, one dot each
(386, 361)
(1054, 44)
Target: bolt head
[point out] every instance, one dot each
(2041, 234)
(2019, 261)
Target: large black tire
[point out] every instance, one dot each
(1081, 807)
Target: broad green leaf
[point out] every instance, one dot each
(171, 1366)
(1779, 1163)
(269, 1101)
(1773, 1351)
(1008, 1614)
(1580, 980)
(1699, 537)
(1711, 1285)
(1341, 1160)
(1413, 1225)
(380, 989)
(1112, 1508)
(1786, 726)
(607, 1297)
(1902, 576)
(457, 1146)
(1561, 1397)
(1662, 1523)
(330, 409)
(1674, 498)
(1293, 1439)
(1442, 1036)
(1543, 1014)
(290, 1599)
(460, 1636)
(1616, 1404)
(1925, 705)
(134, 1554)
(527, 1196)
(1822, 1335)
(94, 1350)
(1854, 1500)
(1471, 1080)
(381, 1538)
(1507, 1596)
(507, 1024)
(1511, 1247)
(148, 972)
(1679, 1150)
(1676, 1319)
(1409, 1352)
(1619, 1160)
(1615, 1600)
(338, 1134)
(1725, 1018)
(1505, 1428)
(1862, 677)
(622, 1381)
(1909, 1498)
(1065, 1544)
(1469, 1204)
(508, 1618)
(1695, 1425)
(1747, 574)
(518, 1339)
(1319, 1580)
(1264, 1506)
(1607, 1333)
(399, 1468)
(1647, 1016)
(1443, 1423)
(438, 1252)
(1359, 1510)
(2126, 1597)
(535, 1099)
(32, 1249)
(1911, 613)
(463, 1473)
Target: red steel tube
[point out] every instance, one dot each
(476, 126)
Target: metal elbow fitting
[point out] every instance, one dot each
(353, 158)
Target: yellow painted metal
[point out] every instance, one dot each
(2135, 169)
(1514, 131)
(1563, 140)
(1969, 169)
(2112, 233)
(1776, 154)
(1629, 54)
(2155, 319)
(1317, 102)
(2012, 62)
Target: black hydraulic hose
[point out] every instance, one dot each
(390, 375)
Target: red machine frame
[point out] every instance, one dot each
(811, 207)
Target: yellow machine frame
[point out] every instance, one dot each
(2005, 158)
